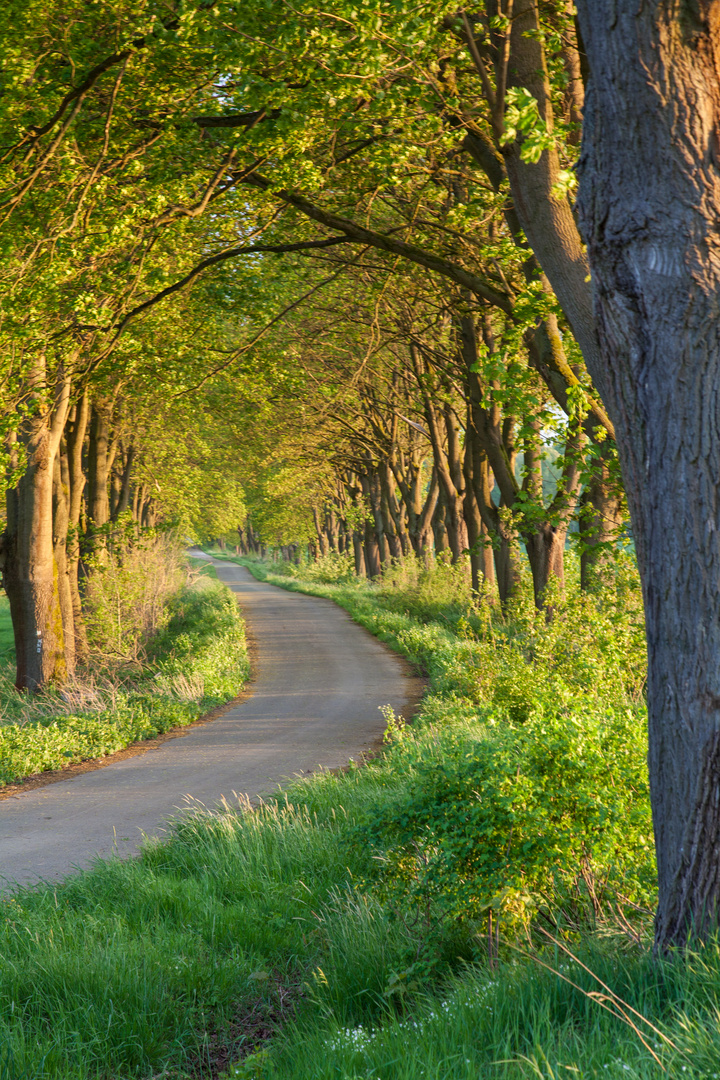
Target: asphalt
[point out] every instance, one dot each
(318, 683)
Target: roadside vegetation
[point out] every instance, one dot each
(166, 644)
(474, 902)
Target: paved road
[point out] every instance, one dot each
(319, 681)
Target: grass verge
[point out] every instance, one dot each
(198, 661)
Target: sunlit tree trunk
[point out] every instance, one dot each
(30, 571)
(61, 520)
(75, 430)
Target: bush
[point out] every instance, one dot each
(127, 591)
(553, 815)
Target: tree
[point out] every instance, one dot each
(650, 206)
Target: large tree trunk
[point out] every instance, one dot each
(650, 207)
(30, 571)
(546, 555)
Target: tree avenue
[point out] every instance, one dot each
(309, 278)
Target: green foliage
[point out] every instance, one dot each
(552, 816)
(522, 120)
(331, 568)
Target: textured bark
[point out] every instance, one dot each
(649, 210)
(75, 430)
(30, 572)
(61, 520)
(99, 466)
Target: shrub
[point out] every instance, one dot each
(127, 591)
(553, 815)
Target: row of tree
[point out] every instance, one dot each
(431, 319)
(436, 433)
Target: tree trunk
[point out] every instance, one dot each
(30, 572)
(649, 210)
(323, 545)
(546, 555)
(359, 554)
(124, 500)
(477, 478)
(98, 500)
(373, 497)
(600, 521)
(75, 437)
(507, 564)
(61, 520)
(440, 536)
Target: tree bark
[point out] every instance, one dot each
(477, 482)
(98, 467)
(61, 520)
(30, 571)
(649, 210)
(75, 430)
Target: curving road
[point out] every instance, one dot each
(319, 680)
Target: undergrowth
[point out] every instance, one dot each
(196, 662)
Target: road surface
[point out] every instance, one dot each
(314, 702)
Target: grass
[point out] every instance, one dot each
(248, 924)
(198, 661)
(283, 944)
(7, 640)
